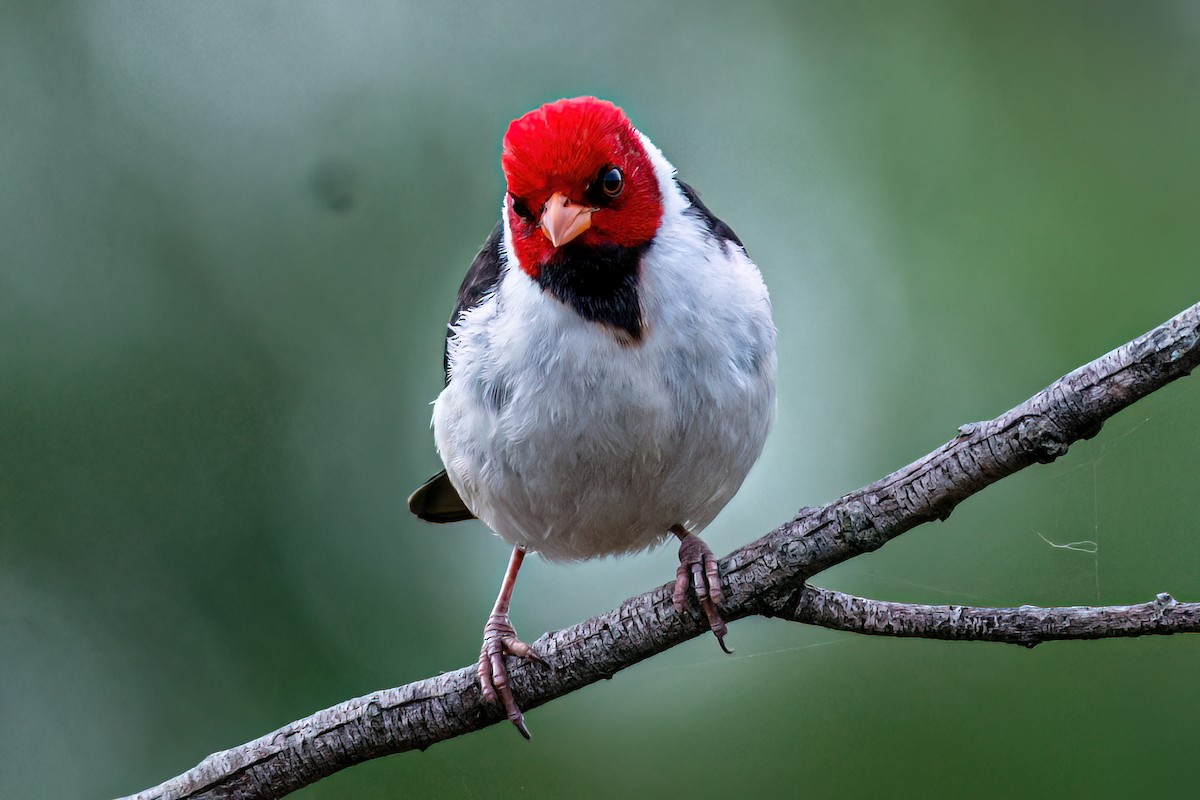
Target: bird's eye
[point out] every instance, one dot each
(612, 182)
(522, 210)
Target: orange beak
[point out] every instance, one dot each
(562, 220)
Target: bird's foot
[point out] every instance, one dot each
(500, 639)
(698, 569)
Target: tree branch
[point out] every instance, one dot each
(1027, 625)
(766, 577)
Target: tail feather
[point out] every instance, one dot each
(436, 500)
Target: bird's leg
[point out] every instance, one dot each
(698, 569)
(499, 638)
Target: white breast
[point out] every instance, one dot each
(565, 441)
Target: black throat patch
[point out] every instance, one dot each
(600, 283)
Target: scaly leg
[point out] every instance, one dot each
(499, 638)
(698, 569)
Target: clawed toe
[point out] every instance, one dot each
(500, 639)
(698, 571)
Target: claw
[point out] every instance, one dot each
(522, 650)
(698, 570)
(520, 723)
(500, 639)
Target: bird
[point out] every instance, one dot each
(610, 367)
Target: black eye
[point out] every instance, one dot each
(522, 210)
(612, 181)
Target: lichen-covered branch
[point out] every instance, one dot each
(1025, 625)
(766, 576)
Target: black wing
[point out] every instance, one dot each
(436, 500)
(715, 227)
(481, 281)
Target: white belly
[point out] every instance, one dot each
(567, 442)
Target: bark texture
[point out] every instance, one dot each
(767, 576)
(1026, 625)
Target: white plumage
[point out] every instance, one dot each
(569, 440)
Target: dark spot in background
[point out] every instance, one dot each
(334, 182)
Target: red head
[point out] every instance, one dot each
(577, 172)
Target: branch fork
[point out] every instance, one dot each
(768, 576)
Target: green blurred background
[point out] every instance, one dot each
(230, 235)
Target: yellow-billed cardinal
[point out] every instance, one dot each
(610, 365)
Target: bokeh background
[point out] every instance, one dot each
(231, 233)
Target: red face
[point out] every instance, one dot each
(577, 172)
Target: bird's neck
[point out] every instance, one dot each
(601, 284)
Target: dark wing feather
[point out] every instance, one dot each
(480, 281)
(715, 227)
(436, 500)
